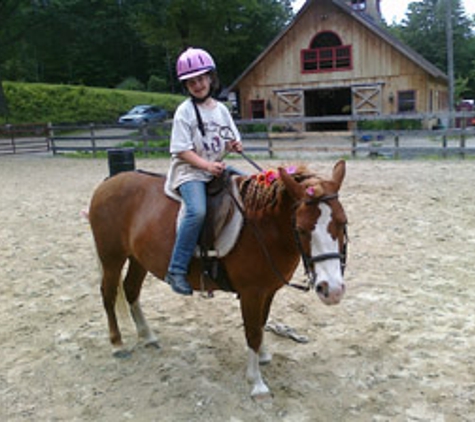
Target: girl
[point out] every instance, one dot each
(199, 140)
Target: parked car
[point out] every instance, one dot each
(143, 114)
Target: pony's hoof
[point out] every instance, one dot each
(260, 392)
(265, 358)
(152, 345)
(262, 398)
(122, 353)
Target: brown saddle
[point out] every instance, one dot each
(220, 209)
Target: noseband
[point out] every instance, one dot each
(308, 260)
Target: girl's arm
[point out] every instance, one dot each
(213, 167)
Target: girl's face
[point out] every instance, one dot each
(199, 86)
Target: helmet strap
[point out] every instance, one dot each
(197, 101)
(201, 125)
(201, 100)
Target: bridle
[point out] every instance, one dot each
(308, 260)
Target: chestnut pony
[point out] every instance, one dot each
(290, 216)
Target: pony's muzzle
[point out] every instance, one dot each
(328, 294)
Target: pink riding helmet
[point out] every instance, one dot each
(194, 62)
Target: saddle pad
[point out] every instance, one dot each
(228, 236)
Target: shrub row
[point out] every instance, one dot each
(43, 103)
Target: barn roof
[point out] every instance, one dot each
(366, 21)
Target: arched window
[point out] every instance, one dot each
(326, 54)
(325, 39)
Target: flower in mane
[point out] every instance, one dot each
(263, 189)
(270, 177)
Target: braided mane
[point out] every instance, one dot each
(258, 192)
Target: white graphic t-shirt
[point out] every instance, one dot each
(219, 129)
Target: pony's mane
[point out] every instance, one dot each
(258, 192)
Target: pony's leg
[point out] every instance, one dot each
(109, 287)
(132, 286)
(252, 308)
(253, 373)
(265, 356)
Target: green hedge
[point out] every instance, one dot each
(403, 124)
(43, 103)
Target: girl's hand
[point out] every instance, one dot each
(216, 168)
(235, 146)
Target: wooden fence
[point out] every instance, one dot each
(95, 138)
(24, 139)
(274, 138)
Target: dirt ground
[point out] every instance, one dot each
(400, 347)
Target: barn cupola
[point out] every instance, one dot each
(370, 8)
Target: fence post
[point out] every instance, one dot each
(12, 137)
(269, 140)
(353, 145)
(444, 145)
(93, 139)
(50, 137)
(396, 146)
(143, 136)
(462, 138)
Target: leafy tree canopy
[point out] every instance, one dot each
(424, 30)
(106, 42)
(103, 42)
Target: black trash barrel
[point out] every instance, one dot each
(120, 159)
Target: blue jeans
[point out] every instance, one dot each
(194, 196)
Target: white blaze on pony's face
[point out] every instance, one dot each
(320, 229)
(329, 286)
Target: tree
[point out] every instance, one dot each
(424, 30)
(234, 31)
(89, 43)
(103, 42)
(15, 17)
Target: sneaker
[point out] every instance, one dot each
(179, 284)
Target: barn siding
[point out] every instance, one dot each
(374, 61)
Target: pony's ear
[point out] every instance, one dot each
(339, 171)
(295, 190)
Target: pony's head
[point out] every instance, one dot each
(320, 224)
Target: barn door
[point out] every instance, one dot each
(367, 99)
(290, 103)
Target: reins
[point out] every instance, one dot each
(250, 161)
(307, 260)
(256, 231)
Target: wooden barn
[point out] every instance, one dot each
(336, 59)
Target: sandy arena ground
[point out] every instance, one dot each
(400, 347)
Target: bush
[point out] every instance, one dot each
(43, 103)
(156, 84)
(404, 124)
(131, 84)
(254, 128)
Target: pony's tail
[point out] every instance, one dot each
(121, 305)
